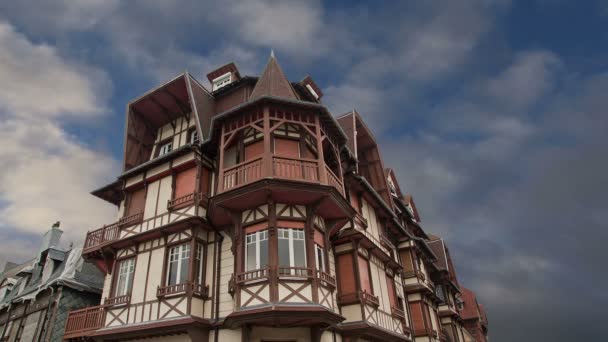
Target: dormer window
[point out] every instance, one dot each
(165, 148)
(221, 81)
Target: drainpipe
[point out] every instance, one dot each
(218, 251)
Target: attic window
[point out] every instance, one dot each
(221, 81)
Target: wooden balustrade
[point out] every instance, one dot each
(118, 300)
(243, 173)
(369, 299)
(301, 272)
(326, 279)
(200, 290)
(169, 290)
(397, 312)
(111, 232)
(334, 180)
(385, 320)
(258, 274)
(131, 219)
(102, 235)
(295, 168)
(182, 201)
(84, 320)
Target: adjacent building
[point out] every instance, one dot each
(248, 212)
(36, 296)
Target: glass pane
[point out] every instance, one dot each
(172, 273)
(299, 253)
(183, 274)
(283, 251)
(263, 251)
(250, 252)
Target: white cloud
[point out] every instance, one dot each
(46, 174)
(36, 80)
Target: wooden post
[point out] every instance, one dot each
(220, 177)
(320, 158)
(309, 233)
(267, 159)
(273, 248)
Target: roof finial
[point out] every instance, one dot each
(271, 53)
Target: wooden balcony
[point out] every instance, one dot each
(118, 300)
(196, 289)
(369, 298)
(299, 169)
(109, 233)
(260, 274)
(295, 272)
(396, 312)
(187, 200)
(81, 322)
(326, 279)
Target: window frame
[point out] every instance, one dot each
(291, 238)
(193, 137)
(117, 275)
(181, 247)
(260, 235)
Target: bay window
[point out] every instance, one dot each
(292, 250)
(126, 271)
(179, 257)
(256, 250)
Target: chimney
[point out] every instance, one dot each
(51, 238)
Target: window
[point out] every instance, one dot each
(292, 252)
(256, 250)
(198, 266)
(222, 81)
(179, 258)
(366, 284)
(193, 139)
(320, 257)
(165, 148)
(136, 202)
(126, 271)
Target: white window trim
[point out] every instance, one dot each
(127, 267)
(180, 252)
(291, 238)
(312, 91)
(199, 258)
(220, 80)
(193, 136)
(257, 241)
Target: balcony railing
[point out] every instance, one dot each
(369, 299)
(296, 168)
(84, 320)
(334, 180)
(102, 235)
(301, 169)
(258, 274)
(397, 312)
(118, 300)
(300, 272)
(197, 289)
(186, 200)
(111, 232)
(326, 279)
(243, 173)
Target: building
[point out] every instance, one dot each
(250, 213)
(474, 316)
(36, 296)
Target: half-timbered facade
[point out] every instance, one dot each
(250, 213)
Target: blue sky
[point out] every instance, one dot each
(491, 111)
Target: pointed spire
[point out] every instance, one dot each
(273, 82)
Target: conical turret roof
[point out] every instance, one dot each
(273, 82)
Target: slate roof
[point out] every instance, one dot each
(72, 271)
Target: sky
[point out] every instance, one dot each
(492, 113)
